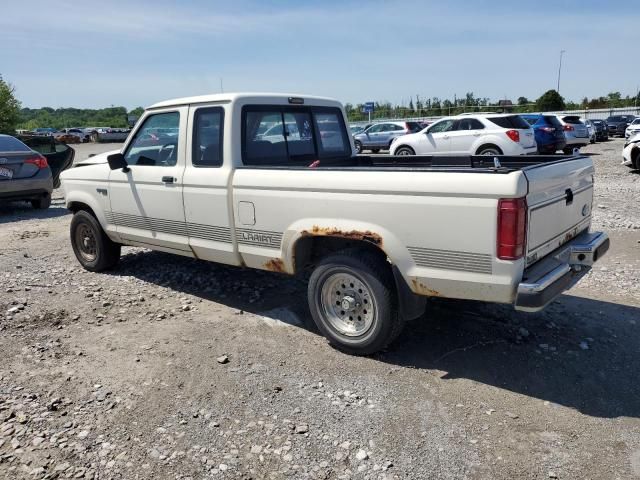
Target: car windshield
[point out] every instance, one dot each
(10, 144)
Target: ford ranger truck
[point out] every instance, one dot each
(272, 182)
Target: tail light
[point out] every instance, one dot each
(512, 228)
(568, 128)
(513, 135)
(39, 161)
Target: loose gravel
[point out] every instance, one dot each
(172, 368)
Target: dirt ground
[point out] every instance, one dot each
(171, 368)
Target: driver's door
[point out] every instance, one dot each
(146, 202)
(437, 139)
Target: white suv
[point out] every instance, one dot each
(470, 134)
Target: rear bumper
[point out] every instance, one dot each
(561, 269)
(27, 188)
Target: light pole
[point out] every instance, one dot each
(560, 70)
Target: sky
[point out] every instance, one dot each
(96, 54)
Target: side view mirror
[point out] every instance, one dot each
(116, 161)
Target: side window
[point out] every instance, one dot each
(375, 128)
(397, 128)
(442, 126)
(331, 134)
(207, 137)
(470, 124)
(156, 142)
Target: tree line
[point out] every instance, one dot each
(549, 101)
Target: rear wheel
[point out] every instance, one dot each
(42, 203)
(489, 150)
(93, 249)
(404, 150)
(352, 302)
(358, 145)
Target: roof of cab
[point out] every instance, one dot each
(231, 97)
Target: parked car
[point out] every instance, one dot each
(65, 137)
(45, 131)
(576, 133)
(482, 232)
(548, 132)
(380, 135)
(633, 128)
(58, 154)
(618, 124)
(84, 136)
(24, 174)
(591, 129)
(631, 152)
(602, 130)
(470, 134)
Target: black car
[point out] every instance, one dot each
(24, 173)
(602, 130)
(618, 124)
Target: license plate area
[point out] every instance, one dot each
(6, 173)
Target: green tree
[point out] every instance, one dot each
(550, 101)
(523, 100)
(9, 108)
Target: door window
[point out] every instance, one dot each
(156, 141)
(469, 124)
(442, 126)
(375, 128)
(207, 137)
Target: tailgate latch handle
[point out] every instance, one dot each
(569, 196)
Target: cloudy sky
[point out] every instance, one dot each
(95, 54)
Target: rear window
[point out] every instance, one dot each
(572, 120)
(553, 120)
(512, 121)
(531, 120)
(10, 144)
(276, 135)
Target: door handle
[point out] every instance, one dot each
(168, 179)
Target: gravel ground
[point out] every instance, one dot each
(172, 368)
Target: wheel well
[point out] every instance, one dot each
(77, 206)
(488, 145)
(405, 146)
(309, 250)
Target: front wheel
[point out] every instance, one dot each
(93, 249)
(358, 145)
(353, 303)
(405, 151)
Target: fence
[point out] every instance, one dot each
(412, 116)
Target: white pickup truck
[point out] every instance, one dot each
(210, 177)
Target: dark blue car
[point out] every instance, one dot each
(548, 132)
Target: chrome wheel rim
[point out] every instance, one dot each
(489, 152)
(86, 243)
(404, 151)
(347, 304)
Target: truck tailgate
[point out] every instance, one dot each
(559, 202)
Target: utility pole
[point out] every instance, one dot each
(560, 70)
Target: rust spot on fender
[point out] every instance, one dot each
(275, 265)
(421, 289)
(367, 235)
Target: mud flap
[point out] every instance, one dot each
(410, 305)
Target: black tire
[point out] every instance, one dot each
(93, 249)
(375, 150)
(405, 150)
(567, 151)
(42, 203)
(358, 145)
(489, 150)
(376, 278)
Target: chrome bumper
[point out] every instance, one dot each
(559, 270)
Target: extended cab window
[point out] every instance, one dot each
(207, 137)
(156, 141)
(282, 135)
